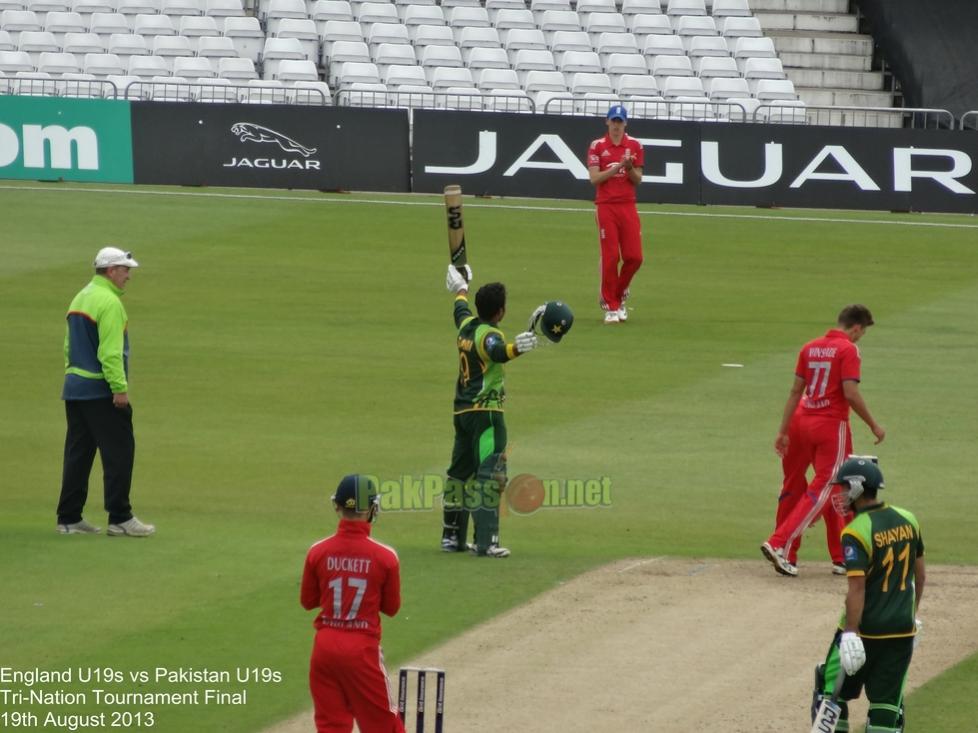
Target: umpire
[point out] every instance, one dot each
(96, 397)
(884, 555)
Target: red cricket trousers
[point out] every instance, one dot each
(620, 233)
(348, 681)
(823, 443)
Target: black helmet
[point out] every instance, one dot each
(860, 473)
(556, 320)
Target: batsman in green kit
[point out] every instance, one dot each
(477, 474)
(884, 556)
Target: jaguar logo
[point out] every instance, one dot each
(249, 131)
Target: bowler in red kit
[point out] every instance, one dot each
(614, 163)
(352, 578)
(815, 432)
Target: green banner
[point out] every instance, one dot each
(53, 138)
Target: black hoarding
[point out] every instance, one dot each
(270, 146)
(543, 155)
(704, 162)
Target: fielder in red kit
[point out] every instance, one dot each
(353, 579)
(815, 432)
(614, 163)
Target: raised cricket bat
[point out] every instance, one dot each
(827, 716)
(456, 229)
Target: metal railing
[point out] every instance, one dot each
(435, 100)
(215, 92)
(660, 109)
(794, 113)
(969, 120)
(37, 86)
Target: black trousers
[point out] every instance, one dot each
(97, 424)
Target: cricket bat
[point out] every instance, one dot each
(456, 229)
(827, 716)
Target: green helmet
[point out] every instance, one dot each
(860, 473)
(557, 320)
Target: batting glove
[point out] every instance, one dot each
(526, 341)
(852, 654)
(456, 281)
(918, 626)
(535, 317)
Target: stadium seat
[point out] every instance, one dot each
(508, 19)
(448, 4)
(398, 75)
(553, 102)
(215, 47)
(597, 23)
(641, 7)
(153, 25)
(637, 85)
(148, 66)
(125, 45)
(388, 54)
(596, 103)
(539, 81)
(572, 62)
(290, 70)
(564, 41)
(280, 49)
(120, 83)
(766, 90)
(723, 8)
(133, 8)
(194, 27)
(708, 67)
(443, 77)
(214, 90)
(411, 96)
(34, 84)
(375, 12)
(279, 10)
(781, 111)
(236, 68)
(246, 35)
(663, 66)
(497, 79)
(618, 64)
(264, 91)
(345, 52)
(61, 22)
(323, 10)
(194, 67)
(16, 22)
(222, 9)
(539, 7)
(105, 24)
(82, 43)
(102, 65)
(390, 33)
(553, 21)
(644, 24)
(738, 27)
(459, 98)
(340, 30)
(37, 42)
(431, 35)
(494, 6)
(309, 93)
(364, 94)
(506, 100)
(182, 8)
(466, 17)
(304, 31)
(86, 8)
(583, 83)
(682, 86)
(695, 25)
(659, 45)
(487, 58)
(747, 47)
(433, 57)
(357, 73)
(609, 43)
(423, 15)
(79, 85)
(170, 47)
(686, 7)
(529, 59)
(58, 63)
(763, 68)
(706, 46)
(721, 89)
(596, 6)
(5, 43)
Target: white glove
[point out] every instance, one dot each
(455, 281)
(535, 317)
(526, 341)
(919, 628)
(852, 654)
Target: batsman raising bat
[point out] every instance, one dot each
(477, 474)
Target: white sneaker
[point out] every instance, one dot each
(611, 317)
(838, 569)
(623, 313)
(131, 528)
(493, 550)
(449, 544)
(80, 527)
(777, 559)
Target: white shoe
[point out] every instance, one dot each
(449, 544)
(131, 528)
(611, 317)
(79, 527)
(777, 559)
(493, 550)
(838, 569)
(623, 313)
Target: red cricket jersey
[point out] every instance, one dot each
(825, 364)
(602, 154)
(353, 578)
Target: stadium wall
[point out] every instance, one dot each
(341, 148)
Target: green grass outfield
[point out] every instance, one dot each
(282, 339)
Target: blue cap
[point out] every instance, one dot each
(356, 492)
(618, 112)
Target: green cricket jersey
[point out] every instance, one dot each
(883, 543)
(482, 350)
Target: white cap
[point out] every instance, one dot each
(112, 256)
